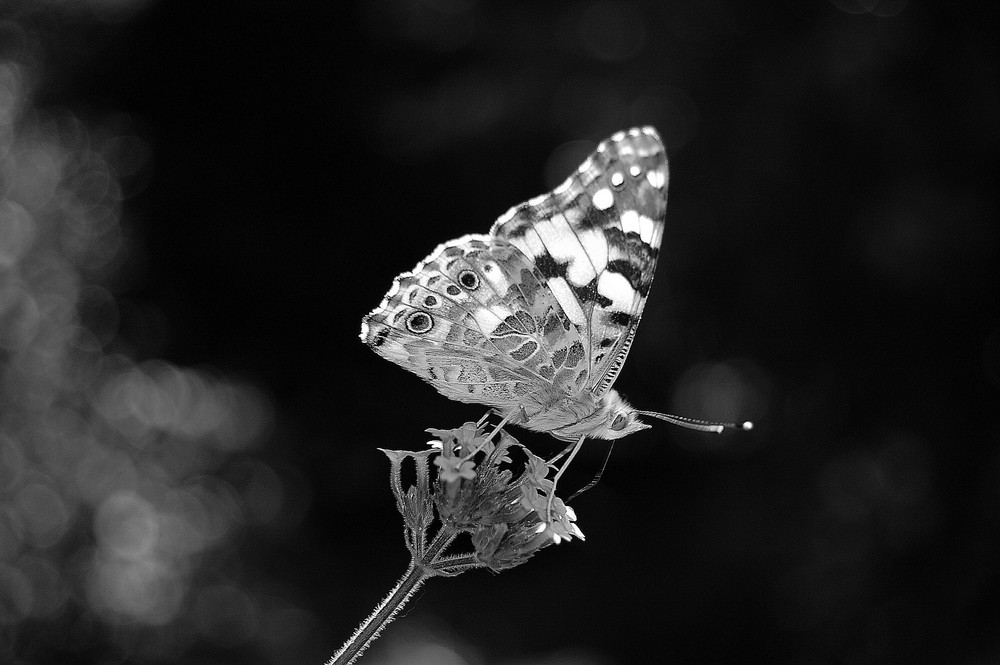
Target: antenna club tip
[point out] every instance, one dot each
(747, 426)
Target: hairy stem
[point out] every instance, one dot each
(384, 612)
(418, 573)
(441, 540)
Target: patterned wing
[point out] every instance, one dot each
(475, 320)
(595, 239)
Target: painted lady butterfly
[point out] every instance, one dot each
(536, 318)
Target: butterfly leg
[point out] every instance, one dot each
(481, 421)
(509, 419)
(565, 451)
(504, 421)
(572, 450)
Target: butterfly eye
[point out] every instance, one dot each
(469, 280)
(619, 423)
(419, 322)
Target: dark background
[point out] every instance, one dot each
(830, 252)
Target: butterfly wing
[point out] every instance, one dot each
(594, 240)
(475, 320)
(547, 304)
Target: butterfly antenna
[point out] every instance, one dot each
(699, 425)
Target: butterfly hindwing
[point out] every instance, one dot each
(475, 321)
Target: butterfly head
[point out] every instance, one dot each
(618, 418)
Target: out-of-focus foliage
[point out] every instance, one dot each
(124, 484)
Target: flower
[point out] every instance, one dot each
(487, 485)
(562, 520)
(454, 469)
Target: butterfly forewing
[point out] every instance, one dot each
(595, 239)
(543, 308)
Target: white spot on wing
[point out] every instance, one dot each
(530, 244)
(586, 165)
(564, 296)
(654, 242)
(496, 278)
(556, 234)
(646, 227)
(580, 272)
(573, 215)
(489, 319)
(566, 184)
(596, 246)
(603, 199)
(634, 170)
(614, 286)
(617, 179)
(630, 222)
(656, 178)
(563, 246)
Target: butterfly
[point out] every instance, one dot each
(536, 318)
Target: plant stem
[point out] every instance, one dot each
(441, 540)
(417, 573)
(384, 612)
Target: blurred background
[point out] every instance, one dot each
(199, 201)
